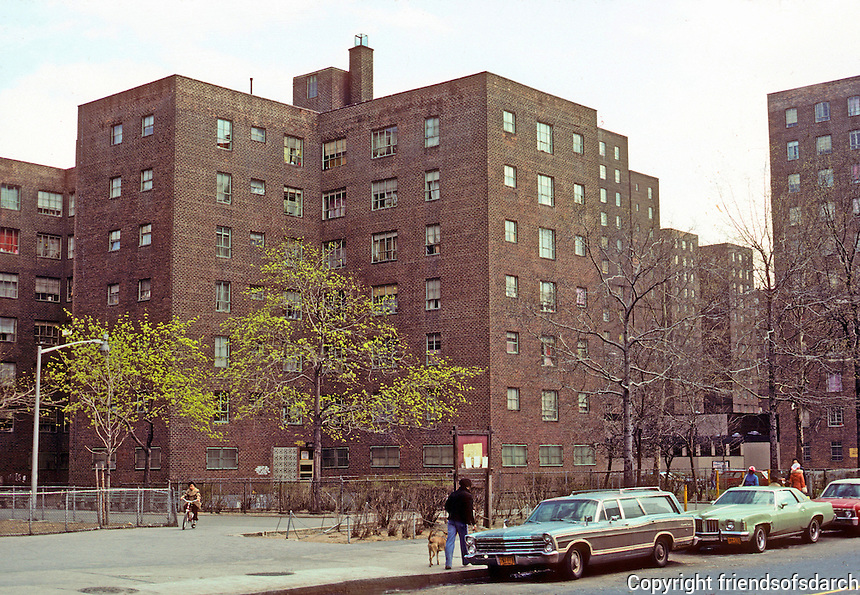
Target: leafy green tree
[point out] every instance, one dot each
(152, 372)
(320, 346)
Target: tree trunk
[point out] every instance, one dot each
(627, 447)
(798, 427)
(147, 451)
(771, 385)
(317, 450)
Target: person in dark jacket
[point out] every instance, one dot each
(460, 515)
(751, 479)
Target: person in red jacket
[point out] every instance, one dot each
(795, 477)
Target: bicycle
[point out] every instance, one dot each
(188, 516)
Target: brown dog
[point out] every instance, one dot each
(436, 544)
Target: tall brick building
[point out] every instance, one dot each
(458, 201)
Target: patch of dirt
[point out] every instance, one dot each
(19, 527)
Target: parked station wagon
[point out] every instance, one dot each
(844, 496)
(752, 515)
(570, 532)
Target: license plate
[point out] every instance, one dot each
(734, 540)
(506, 561)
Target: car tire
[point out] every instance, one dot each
(660, 553)
(758, 543)
(573, 566)
(813, 531)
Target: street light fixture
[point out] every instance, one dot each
(34, 468)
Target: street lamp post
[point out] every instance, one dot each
(34, 468)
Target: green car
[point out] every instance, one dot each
(753, 515)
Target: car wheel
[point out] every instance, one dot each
(758, 543)
(660, 553)
(813, 531)
(573, 566)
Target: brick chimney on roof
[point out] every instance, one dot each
(360, 71)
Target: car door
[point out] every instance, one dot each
(789, 516)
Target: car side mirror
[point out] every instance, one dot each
(783, 504)
(614, 517)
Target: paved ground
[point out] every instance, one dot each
(215, 558)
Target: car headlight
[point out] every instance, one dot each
(730, 525)
(470, 545)
(548, 543)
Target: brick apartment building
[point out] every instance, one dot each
(460, 200)
(815, 195)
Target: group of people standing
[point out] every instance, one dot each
(795, 477)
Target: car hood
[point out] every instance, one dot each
(841, 502)
(733, 510)
(532, 529)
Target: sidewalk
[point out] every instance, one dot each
(215, 558)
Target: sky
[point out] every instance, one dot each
(685, 80)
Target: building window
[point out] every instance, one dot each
(544, 137)
(113, 294)
(433, 293)
(9, 285)
(791, 117)
(114, 240)
(603, 195)
(602, 172)
(579, 194)
(384, 298)
(46, 333)
(510, 231)
(154, 457)
(509, 122)
(807, 452)
(47, 246)
(223, 241)
(116, 134)
(512, 339)
(825, 178)
(650, 212)
(385, 456)
(257, 239)
(292, 201)
(836, 450)
(854, 105)
(335, 458)
(335, 251)
(293, 149)
(824, 145)
(431, 132)
(222, 351)
(222, 458)
(793, 150)
(383, 142)
(546, 194)
(854, 139)
(549, 405)
(547, 350)
(513, 398)
(579, 245)
(223, 188)
(147, 125)
(7, 418)
(225, 134)
(258, 187)
(511, 286)
(513, 455)
(432, 239)
(145, 234)
(8, 329)
(10, 197)
(144, 290)
(115, 189)
(550, 456)
(617, 176)
(618, 199)
(222, 411)
(822, 111)
(100, 458)
(384, 246)
(582, 297)
(292, 305)
(47, 289)
(383, 194)
(258, 135)
(617, 153)
(222, 296)
(583, 455)
(834, 382)
(334, 153)
(794, 182)
(438, 455)
(434, 348)
(546, 243)
(582, 402)
(311, 86)
(510, 176)
(146, 180)
(578, 145)
(601, 148)
(604, 219)
(49, 203)
(334, 204)
(69, 289)
(547, 296)
(835, 418)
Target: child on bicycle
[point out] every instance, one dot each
(192, 496)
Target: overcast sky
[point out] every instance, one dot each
(686, 81)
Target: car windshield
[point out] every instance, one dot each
(745, 497)
(563, 510)
(842, 490)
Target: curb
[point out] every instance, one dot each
(374, 586)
